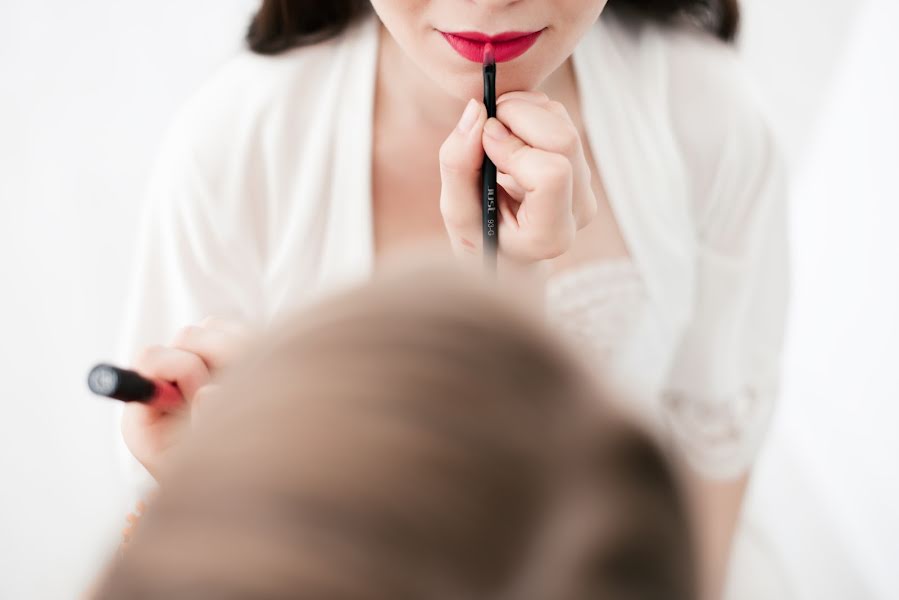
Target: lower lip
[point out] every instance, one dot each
(504, 51)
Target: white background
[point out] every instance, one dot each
(86, 89)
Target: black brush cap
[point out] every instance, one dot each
(121, 384)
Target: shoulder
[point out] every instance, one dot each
(736, 168)
(716, 108)
(250, 86)
(249, 103)
(717, 117)
(689, 92)
(686, 84)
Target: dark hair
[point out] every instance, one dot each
(279, 25)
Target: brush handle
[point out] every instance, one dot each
(129, 386)
(490, 195)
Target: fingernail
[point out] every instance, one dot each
(496, 130)
(468, 117)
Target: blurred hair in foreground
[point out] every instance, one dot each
(420, 438)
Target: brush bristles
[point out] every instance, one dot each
(489, 57)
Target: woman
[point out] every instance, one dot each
(638, 174)
(331, 471)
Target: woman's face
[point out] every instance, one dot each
(446, 38)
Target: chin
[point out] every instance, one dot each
(463, 88)
(467, 86)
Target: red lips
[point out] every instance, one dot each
(507, 46)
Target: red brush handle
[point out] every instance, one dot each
(167, 398)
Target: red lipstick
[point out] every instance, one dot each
(129, 386)
(506, 46)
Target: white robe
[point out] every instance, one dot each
(261, 202)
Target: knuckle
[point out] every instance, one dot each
(518, 154)
(450, 162)
(567, 141)
(558, 107)
(193, 363)
(523, 159)
(557, 168)
(454, 216)
(571, 142)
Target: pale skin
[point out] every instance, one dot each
(429, 140)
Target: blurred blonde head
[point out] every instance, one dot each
(420, 438)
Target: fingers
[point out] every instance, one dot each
(546, 124)
(461, 159)
(531, 168)
(541, 126)
(542, 169)
(196, 354)
(544, 225)
(185, 369)
(215, 341)
(530, 96)
(148, 431)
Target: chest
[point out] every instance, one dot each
(405, 198)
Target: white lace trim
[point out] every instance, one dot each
(598, 304)
(601, 306)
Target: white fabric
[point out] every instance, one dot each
(261, 202)
(604, 308)
(599, 305)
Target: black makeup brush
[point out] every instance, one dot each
(490, 199)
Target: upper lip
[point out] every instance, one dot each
(477, 36)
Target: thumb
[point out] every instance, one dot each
(461, 159)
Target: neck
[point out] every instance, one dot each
(407, 96)
(404, 91)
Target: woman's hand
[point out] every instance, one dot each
(196, 354)
(546, 194)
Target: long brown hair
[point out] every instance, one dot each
(422, 438)
(279, 25)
